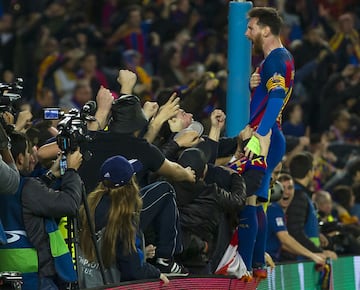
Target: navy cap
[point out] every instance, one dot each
(119, 170)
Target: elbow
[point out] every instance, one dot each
(72, 209)
(13, 185)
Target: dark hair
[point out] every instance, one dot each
(127, 115)
(315, 138)
(164, 95)
(33, 135)
(284, 177)
(19, 141)
(196, 159)
(67, 44)
(300, 164)
(131, 8)
(267, 16)
(88, 53)
(43, 134)
(342, 195)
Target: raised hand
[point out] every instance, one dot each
(127, 79)
(23, 120)
(150, 109)
(258, 145)
(255, 79)
(169, 109)
(217, 118)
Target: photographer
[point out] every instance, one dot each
(35, 246)
(9, 175)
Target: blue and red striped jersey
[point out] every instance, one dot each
(277, 74)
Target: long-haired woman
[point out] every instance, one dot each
(115, 205)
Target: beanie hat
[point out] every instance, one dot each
(195, 158)
(127, 115)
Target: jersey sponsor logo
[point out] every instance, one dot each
(14, 236)
(279, 221)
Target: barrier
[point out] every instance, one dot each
(345, 275)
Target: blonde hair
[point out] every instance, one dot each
(123, 220)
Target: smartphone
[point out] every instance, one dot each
(63, 165)
(52, 113)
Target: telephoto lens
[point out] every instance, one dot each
(276, 191)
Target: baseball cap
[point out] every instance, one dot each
(194, 126)
(119, 170)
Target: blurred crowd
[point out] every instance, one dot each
(172, 54)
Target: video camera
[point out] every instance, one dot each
(72, 128)
(9, 93)
(276, 191)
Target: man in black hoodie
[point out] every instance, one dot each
(209, 208)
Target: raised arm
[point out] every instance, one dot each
(176, 172)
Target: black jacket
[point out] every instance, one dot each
(201, 205)
(297, 215)
(39, 202)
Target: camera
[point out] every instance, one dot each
(10, 280)
(10, 93)
(72, 126)
(276, 191)
(72, 129)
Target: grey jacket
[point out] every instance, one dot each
(9, 178)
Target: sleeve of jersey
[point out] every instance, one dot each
(276, 90)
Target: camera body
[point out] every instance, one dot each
(72, 127)
(9, 93)
(276, 191)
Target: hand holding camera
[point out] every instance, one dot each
(74, 159)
